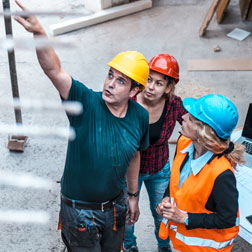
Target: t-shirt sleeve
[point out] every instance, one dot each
(144, 143)
(79, 92)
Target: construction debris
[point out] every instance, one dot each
(217, 49)
(238, 34)
(17, 143)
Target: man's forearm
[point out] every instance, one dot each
(48, 60)
(50, 63)
(132, 182)
(133, 173)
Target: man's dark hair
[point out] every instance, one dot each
(134, 84)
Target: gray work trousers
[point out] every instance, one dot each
(93, 230)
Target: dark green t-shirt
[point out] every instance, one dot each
(98, 159)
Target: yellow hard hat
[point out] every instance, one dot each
(133, 64)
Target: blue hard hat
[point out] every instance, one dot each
(215, 110)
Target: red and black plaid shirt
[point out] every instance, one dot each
(156, 156)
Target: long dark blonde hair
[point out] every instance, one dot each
(210, 140)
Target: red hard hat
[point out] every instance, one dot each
(165, 64)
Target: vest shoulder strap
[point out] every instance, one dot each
(182, 143)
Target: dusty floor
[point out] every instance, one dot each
(171, 26)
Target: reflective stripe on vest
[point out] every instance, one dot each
(201, 242)
(237, 222)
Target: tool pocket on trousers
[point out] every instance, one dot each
(83, 236)
(120, 215)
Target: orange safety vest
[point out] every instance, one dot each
(192, 197)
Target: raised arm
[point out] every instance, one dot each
(47, 57)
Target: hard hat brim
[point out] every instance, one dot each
(127, 73)
(188, 104)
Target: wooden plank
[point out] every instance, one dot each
(17, 143)
(244, 7)
(100, 17)
(208, 17)
(221, 9)
(219, 65)
(249, 17)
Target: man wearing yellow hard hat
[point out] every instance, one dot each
(109, 135)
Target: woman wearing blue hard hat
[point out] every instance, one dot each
(201, 201)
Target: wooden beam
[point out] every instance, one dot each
(208, 17)
(219, 65)
(244, 7)
(249, 17)
(100, 17)
(221, 10)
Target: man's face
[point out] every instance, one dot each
(116, 89)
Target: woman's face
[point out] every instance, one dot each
(188, 128)
(156, 86)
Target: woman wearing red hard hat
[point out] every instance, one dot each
(165, 109)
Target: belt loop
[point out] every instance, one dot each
(73, 202)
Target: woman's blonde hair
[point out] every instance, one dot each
(209, 139)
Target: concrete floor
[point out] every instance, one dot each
(171, 26)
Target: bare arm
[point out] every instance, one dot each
(47, 57)
(133, 172)
(132, 183)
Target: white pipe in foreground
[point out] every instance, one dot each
(9, 43)
(8, 13)
(24, 180)
(24, 216)
(42, 131)
(70, 107)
